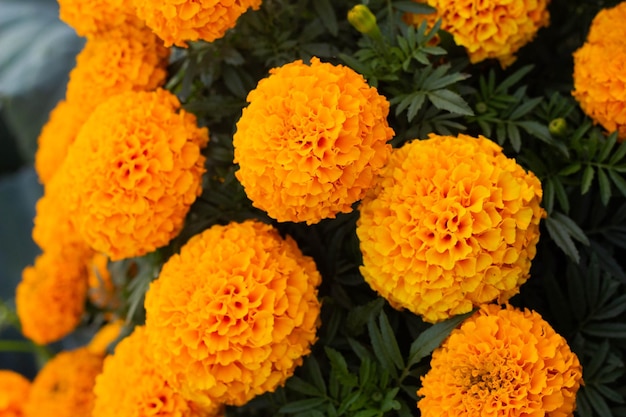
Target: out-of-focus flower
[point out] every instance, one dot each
(451, 223)
(130, 385)
(93, 17)
(101, 290)
(608, 25)
(133, 172)
(14, 390)
(311, 141)
(108, 334)
(489, 28)
(501, 362)
(179, 21)
(233, 314)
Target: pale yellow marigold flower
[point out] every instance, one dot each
(501, 362)
(14, 390)
(232, 315)
(311, 141)
(452, 223)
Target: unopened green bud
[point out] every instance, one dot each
(363, 20)
(481, 107)
(557, 126)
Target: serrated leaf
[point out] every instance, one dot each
(300, 385)
(380, 349)
(606, 330)
(339, 368)
(561, 195)
(607, 147)
(548, 195)
(597, 401)
(301, 405)
(562, 238)
(512, 79)
(450, 101)
(618, 180)
(619, 154)
(611, 310)
(413, 7)
(570, 169)
(572, 228)
(514, 136)
(605, 187)
(597, 360)
(392, 344)
(313, 370)
(525, 108)
(415, 105)
(326, 12)
(587, 179)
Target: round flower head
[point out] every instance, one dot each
(130, 385)
(50, 299)
(232, 315)
(501, 362)
(94, 17)
(133, 172)
(311, 141)
(490, 28)
(179, 21)
(126, 58)
(64, 386)
(599, 77)
(451, 223)
(14, 390)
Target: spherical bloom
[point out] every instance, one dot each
(94, 17)
(50, 299)
(133, 172)
(179, 21)
(452, 223)
(130, 385)
(14, 390)
(599, 77)
(501, 362)
(64, 386)
(231, 316)
(108, 334)
(129, 57)
(311, 141)
(490, 28)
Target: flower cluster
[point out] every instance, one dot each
(130, 385)
(133, 172)
(451, 223)
(311, 141)
(488, 29)
(179, 21)
(231, 316)
(599, 78)
(14, 391)
(64, 386)
(501, 362)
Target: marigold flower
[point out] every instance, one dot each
(108, 334)
(133, 172)
(311, 141)
(490, 28)
(14, 390)
(50, 299)
(451, 223)
(179, 21)
(130, 385)
(501, 362)
(64, 386)
(94, 17)
(233, 314)
(599, 78)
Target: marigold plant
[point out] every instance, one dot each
(50, 299)
(599, 78)
(14, 390)
(488, 29)
(451, 223)
(133, 173)
(501, 362)
(64, 386)
(177, 22)
(93, 17)
(233, 314)
(311, 141)
(130, 385)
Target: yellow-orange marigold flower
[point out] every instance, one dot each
(311, 141)
(233, 314)
(501, 362)
(130, 385)
(599, 77)
(108, 334)
(452, 223)
(14, 390)
(133, 172)
(489, 28)
(64, 386)
(94, 17)
(179, 21)
(50, 299)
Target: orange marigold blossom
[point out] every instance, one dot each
(64, 386)
(233, 314)
(50, 299)
(489, 28)
(451, 223)
(179, 21)
(105, 336)
(130, 385)
(599, 78)
(133, 172)
(14, 390)
(93, 17)
(311, 141)
(501, 362)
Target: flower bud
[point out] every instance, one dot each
(363, 20)
(557, 126)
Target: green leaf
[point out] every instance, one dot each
(597, 401)
(562, 238)
(525, 108)
(571, 227)
(570, 169)
(597, 360)
(607, 147)
(393, 350)
(339, 368)
(618, 180)
(413, 7)
(326, 12)
(611, 310)
(380, 348)
(608, 330)
(513, 79)
(301, 405)
(514, 136)
(300, 385)
(605, 187)
(619, 154)
(415, 105)
(313, 370)
(450, 101)
(588, 175)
